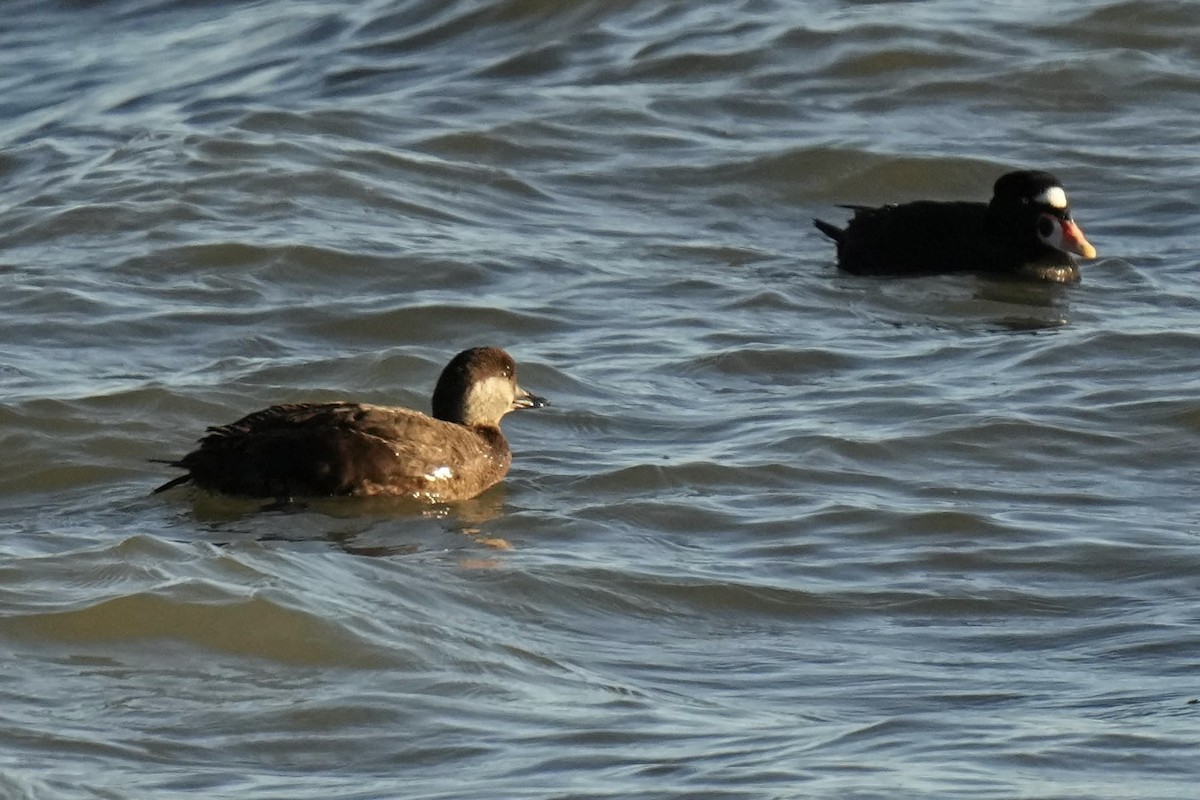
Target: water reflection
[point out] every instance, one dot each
(371, 526)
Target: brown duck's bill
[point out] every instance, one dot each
(1073, 240)
(527, 400)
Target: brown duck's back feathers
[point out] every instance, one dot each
(307, 449)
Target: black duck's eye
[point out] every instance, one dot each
(1045, 227)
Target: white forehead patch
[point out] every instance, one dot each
(1054, 196)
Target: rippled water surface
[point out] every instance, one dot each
(784, 533)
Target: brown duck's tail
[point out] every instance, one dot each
(832, 231)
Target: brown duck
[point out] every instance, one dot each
(355, 449)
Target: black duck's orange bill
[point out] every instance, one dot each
(1074, 241)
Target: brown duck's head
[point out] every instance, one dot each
(1029, 209)
(479, 386)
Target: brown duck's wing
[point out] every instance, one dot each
(282, 451)
(342, 449)
(915, 238)
(431, 459)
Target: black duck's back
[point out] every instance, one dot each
(917, 238)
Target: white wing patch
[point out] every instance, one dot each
(1055, 197)
(440, 474)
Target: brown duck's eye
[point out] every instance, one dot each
(1045, 227)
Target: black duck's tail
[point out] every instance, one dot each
(171, 484)
(832, 231)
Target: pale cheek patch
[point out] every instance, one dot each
(1055, 197)
(1050, 232)
(489, 394)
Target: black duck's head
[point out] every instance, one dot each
(478, 387)
(1029, 212)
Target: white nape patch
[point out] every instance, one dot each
(440, 474)
(1055, 197)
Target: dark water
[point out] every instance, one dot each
(784, 534)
